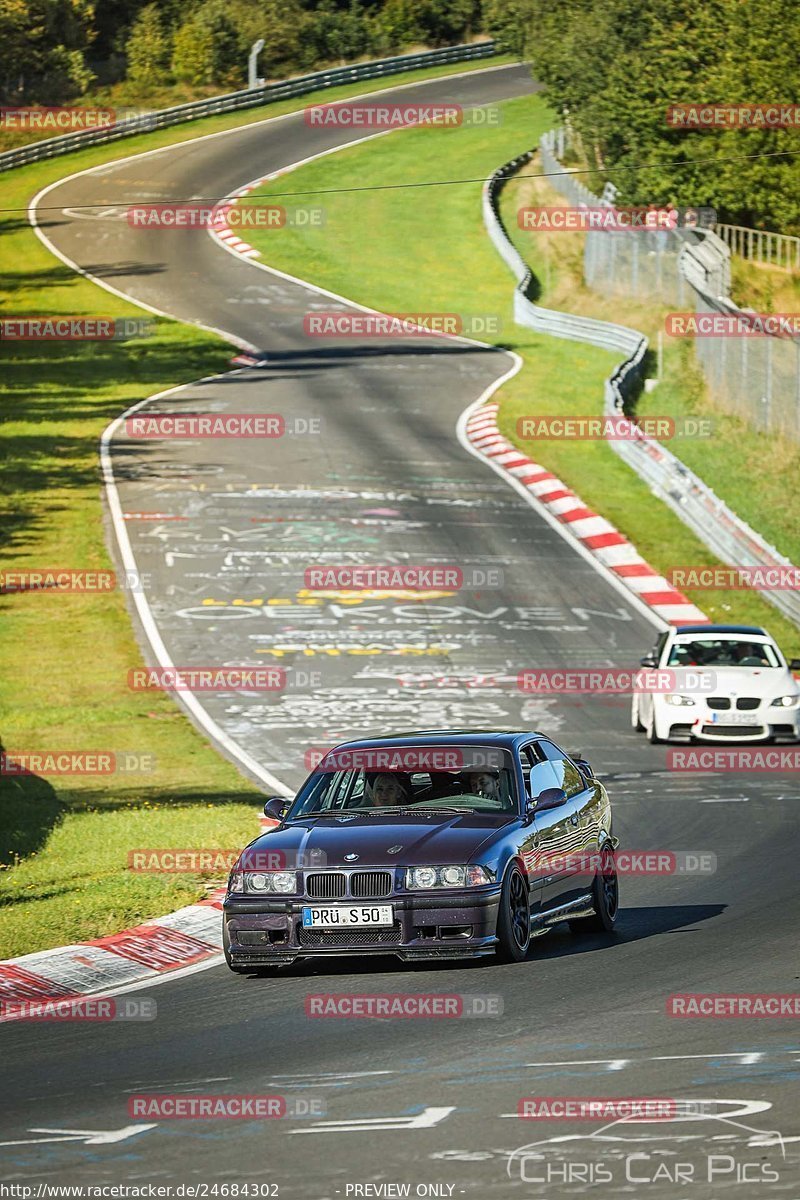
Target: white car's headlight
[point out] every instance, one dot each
(785, 702)
(425, 878)
(678, 700)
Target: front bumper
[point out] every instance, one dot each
(462, 924)
(762, 724)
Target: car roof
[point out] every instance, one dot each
(755, 630)
(507, 738)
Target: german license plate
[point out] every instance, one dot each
(734, 718)
(343, 916)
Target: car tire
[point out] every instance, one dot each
(652, 735)
(605, 898)
(514, 918)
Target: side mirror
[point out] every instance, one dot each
(275, 807)
(794, 664)
(550, 798)
(649, 660)
(583, 767)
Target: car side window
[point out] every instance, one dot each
(537, 771)
(567, 774)
(658, 649)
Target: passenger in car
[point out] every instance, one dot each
(387, 789)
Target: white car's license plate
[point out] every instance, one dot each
(348, 915)
(735, 718)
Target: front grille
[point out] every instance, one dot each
(742, 731)
(322, 939)
(748, 702)
(327, 886)
(371, 884)
(718, 702)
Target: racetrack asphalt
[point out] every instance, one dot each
(387, 477)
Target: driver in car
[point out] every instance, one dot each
(484, 783)
(748, 654)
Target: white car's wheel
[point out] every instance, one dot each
(652, 731)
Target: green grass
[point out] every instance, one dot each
(409, 249)
(79, 886)
(64, 658)
(753, 473)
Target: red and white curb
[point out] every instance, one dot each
(183, 938)
(595, 533)
(222, 230)
(219, 227)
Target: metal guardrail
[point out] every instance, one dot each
(756, 378)
(248, 98)
(725, 534)
(780, 250)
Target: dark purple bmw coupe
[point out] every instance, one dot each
(437, 844)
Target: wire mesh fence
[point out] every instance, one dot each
(753, 374)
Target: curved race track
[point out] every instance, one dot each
(387, 477)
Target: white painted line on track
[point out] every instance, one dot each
(745, 1057)
(725, 800)
(422, 1120)
(89, 1137)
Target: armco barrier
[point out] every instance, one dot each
(249, 98)
(725, 534)
(756, 378)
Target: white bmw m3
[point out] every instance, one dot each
(718, 683)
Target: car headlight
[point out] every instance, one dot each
(785, 702)
(678, 700)
(425, 878)
(282, 882)
(422, 877)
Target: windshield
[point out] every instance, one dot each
(383, 780)
(722, 652)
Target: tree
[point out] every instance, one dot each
(193, 53)
(44, 43)
(147, 48)
(512, 24)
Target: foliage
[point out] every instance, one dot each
(613, 68)
(54, 48)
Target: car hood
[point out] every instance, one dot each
(381, 840)
(765, 682)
